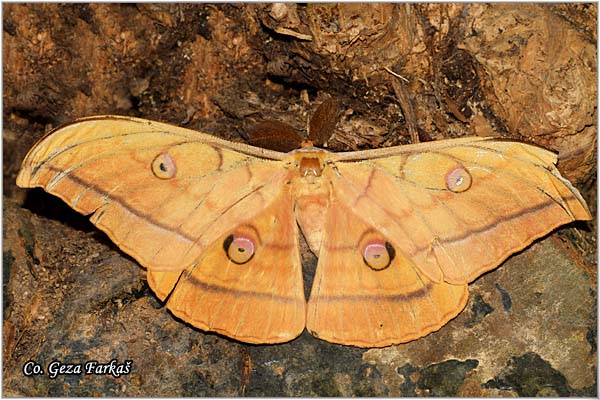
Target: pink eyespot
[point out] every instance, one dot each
(458, 180)
(239, 248)
(163, 166)
(378, 254)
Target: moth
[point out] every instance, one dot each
(399, 232)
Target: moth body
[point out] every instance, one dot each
(311, 191)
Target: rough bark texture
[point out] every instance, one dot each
(524, 71)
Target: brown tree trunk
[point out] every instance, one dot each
(402, 72)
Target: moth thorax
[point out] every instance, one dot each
(310, 167)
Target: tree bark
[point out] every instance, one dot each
(401, 72)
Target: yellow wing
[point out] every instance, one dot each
(111, 167)
(171, 197)
(259, 300)
(356, 304)
(458, 208)
(442, 213)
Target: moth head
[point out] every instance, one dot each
(310, 166)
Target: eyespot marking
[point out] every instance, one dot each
(163, 166)
(378, 254)
(239, 248)
(458, 180)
